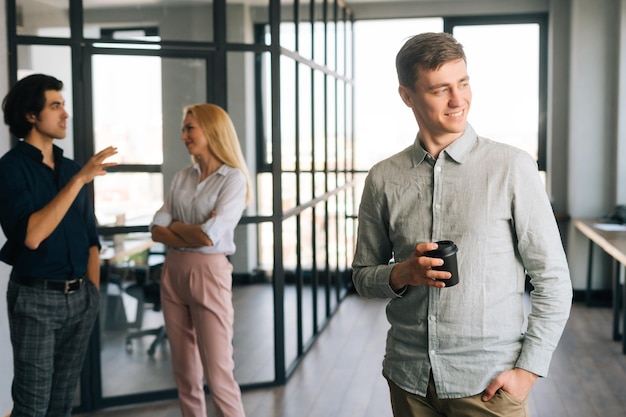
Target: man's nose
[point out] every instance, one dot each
(456, 98)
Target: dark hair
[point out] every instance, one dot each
(426, 51)
(27, 96)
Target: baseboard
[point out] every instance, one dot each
(597, 298)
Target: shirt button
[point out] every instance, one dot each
(432, 352)
(432, 318)
(437, 206)
(438, 169)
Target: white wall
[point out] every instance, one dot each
(593, 153)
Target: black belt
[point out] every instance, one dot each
(66, 287)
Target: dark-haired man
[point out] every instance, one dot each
(459, 351)
(52, 246)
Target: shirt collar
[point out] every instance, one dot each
(457, 150)
(221, 170)
(35, 153)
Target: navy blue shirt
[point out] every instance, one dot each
(26, 186)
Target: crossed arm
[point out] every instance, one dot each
(181, 235)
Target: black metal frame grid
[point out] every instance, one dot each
(334, 282)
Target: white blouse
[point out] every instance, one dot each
(192, 202)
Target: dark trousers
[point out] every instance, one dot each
(50, 333)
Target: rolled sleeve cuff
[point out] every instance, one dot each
(535, 360)
(161, 219)
(207, 227)
(374, 282)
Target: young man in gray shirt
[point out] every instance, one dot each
(459, 350)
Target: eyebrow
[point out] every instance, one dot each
(436, 86)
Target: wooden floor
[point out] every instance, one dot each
(341, 375)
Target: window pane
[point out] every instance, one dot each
(131, 122)
(349, 128)
(55, 61)
(341, 47)
(381, 116)
(264, 195)
(305, 96)
(319, 120)
(127, 199)
(348, 53)
(43, 18)
(498, 56)
(239, 67)
(263, 98)
(341, 126)
(331, 37)
(319, 35)
(288, 35)
(144, 126)
(184, 22)
(287, 113)
(331, 117)
(304, 30)
(241, 18)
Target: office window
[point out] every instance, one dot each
(382, 121)
(43, 18)
(506, 68)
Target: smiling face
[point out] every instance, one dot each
(193, 137)
(51, 123)
(440, 101)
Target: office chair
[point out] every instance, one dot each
(146, 290)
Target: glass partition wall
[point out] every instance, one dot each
(283, 71)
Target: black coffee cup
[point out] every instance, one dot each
(447, 251)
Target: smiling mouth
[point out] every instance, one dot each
(456, 114)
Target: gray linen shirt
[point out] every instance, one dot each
(192, 202)
(488, 198)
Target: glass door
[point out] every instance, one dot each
(136, 105)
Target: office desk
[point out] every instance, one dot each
(121, 250)
(613, 242)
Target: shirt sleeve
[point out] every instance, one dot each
(16, 206)
(163, 216)
(543, 257)
(91, 225)
(371, 268)
(229, 206)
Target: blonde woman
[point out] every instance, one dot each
(197, 222)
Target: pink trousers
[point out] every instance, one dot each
(196, 293)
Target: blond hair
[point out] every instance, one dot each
(221, 137)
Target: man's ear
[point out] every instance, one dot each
(405, 95)
(31, 117)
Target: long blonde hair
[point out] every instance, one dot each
(221, 138)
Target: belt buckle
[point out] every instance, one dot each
(68, 289)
